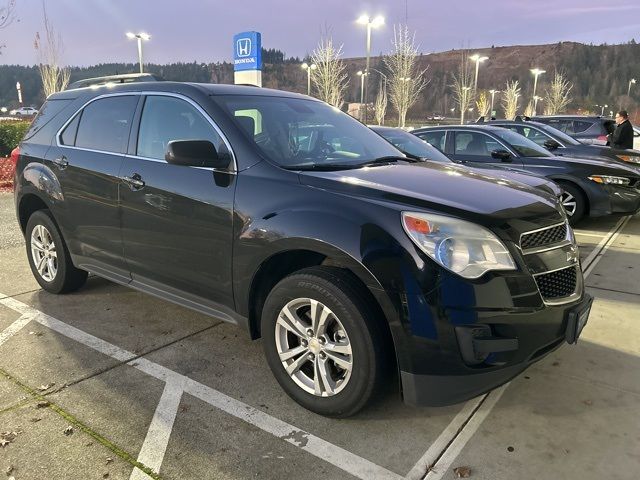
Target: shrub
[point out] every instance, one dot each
(10, 135)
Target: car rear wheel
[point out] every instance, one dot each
(49, 257)
(574, 202)
(322, 341)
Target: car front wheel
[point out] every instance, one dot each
(574, 202)
(322, 341)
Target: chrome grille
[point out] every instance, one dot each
(542, 238)
(558, 284)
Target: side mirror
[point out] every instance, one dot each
(501, 155)
(195, 153)
(551, 144)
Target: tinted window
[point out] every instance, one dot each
(522, 145)
(299, 133)
(475, 144)
(534, 135)
(49, 110)
(168, 118)
(105, 124)
(437, 138)
(68, 136)
(412, 145)
(580, 126)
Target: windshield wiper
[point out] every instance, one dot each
(322, 167)
(388, 159)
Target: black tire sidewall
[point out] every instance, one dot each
(364, 371)
(65, 268)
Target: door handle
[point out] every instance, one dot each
(135, 181)
(61, 162)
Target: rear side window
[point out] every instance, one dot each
(105, 124)
(49, 110)
(580, 126)
(436, 139)
(68, 136)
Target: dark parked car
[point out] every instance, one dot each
(591, 187)
(281, 214)
(114, 80)
(419, 149)
(590, 130)
(564, 145)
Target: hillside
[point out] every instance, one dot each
(600, 74)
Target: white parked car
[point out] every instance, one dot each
(24, 111)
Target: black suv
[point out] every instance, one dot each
(591, 187)
(590, 130)
(281, 214)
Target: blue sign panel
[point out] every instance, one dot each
(247, 51)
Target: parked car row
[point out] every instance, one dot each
(24, 112)
(287, 217)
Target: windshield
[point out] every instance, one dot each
(300, 133)
(560, 135)
(412, 145)
(522, 145)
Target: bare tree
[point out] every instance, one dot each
(482, 104)
(463, 86)
(330, 76)
(55, 78)
(529, 111)
(7, 16)
(406, 81)
(510, 99)
(380, 105)
(557, 95)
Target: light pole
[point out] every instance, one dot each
(631, 82)
(536, 73)
(140, 37)
(362, 75)
(370, 23)
(493, 95)
(478, 59)
(308, 68)
(463, 101)
(535, 104)
(603, 107)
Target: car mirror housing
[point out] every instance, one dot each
(502, 155)
(551, 144)
(195, 153)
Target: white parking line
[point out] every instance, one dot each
(157, 439)
(15, 327)
(333, 454)
(592, 260)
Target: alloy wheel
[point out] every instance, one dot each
(43, 253)
(313, 347)
(569, 203)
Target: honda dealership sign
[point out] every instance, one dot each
(247, 58)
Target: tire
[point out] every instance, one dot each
(574, 199)
(56, 274)
(349, 321)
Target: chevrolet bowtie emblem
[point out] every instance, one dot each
(572, 255)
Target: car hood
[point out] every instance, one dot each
(522, 177)
(445, 188)
(601, 165)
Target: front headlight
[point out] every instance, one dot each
(629, 158)
(609, 180)
(461, 247)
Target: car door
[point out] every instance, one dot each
(87, 157)
(475, 147)
(177, 220)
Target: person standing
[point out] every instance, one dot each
(622, 137)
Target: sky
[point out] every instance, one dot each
(93, 31)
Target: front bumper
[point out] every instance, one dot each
(608, 199)
(537, 335)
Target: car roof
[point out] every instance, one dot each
(579, 117)
(514, 122)
(482, 127)
(383, 128)
(176, 87)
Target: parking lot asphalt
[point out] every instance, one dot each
(110, 383)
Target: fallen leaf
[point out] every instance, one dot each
(109, 460)
(105, 475)
(43, 404)
(587, 402)
(462, 472)
(34, 419)
(555, 364)
(9, 470)
(68, 430)
(46, 387)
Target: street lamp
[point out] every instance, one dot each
(536, 73)
(478, 59)
(370, 23)
(140, 37)
(308, 68)
(493, 95)
(603, 107)
(535, 104)
(362, 75)
(631, 82)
